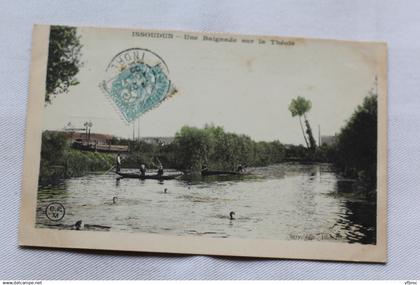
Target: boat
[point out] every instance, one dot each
(218, 172)
(149, 176)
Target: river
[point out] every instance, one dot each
(285, 201)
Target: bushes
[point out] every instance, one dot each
(53, 146)
(78, 163)
(218, 149)
(58, 160)
(194, 147)
(356, 149)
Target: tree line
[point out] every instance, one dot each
(218, 149)
(354, 152)
(212, 145)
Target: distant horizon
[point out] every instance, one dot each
(174, 135)
(244, 88)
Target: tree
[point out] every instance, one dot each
(212, 146)
(52, 147)
(63, 60)
(299, 107)
(357, 142)
(193, 147)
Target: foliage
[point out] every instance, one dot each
(312, 143)
(356, 149)
(354, 152)
(63, 60)
(150, 154)
(195, 145)
(58, 160)
(324, 153)
(53, 147)
(299, 107)
(141, 153)
(296, 152)
(218, 149)
(78, 163)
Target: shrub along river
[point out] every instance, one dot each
(284, 201)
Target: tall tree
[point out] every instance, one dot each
(299, 107)
(357, 142)
(312, 143)
(63, 60)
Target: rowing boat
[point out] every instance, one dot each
(217, 172)
(149, 176)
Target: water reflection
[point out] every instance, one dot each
(284, 201)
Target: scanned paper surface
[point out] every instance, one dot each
(220, 144)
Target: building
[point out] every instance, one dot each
(329, 140)
(157, 140)
(86, 138)
(93, 142)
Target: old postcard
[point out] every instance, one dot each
(206, 143)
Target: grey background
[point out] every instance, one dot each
(396, 22)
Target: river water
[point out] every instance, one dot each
(283, 202)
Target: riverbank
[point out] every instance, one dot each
(74, 163)
(353, 152)
(59, 160)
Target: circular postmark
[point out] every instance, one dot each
(55, 211)
(137, 81)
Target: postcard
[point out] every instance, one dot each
(206, 143)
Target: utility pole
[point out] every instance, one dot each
(319, 135)
(138, 129)
(90, 126)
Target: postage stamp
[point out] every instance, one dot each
(201, 143)
(138, 81)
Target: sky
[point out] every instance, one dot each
(245, 88)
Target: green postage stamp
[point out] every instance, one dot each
(139, 81)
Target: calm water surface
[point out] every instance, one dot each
(283, 201)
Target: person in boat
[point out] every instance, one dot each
(160, 169)
(118, 162)
(142, 169)
(159, 166)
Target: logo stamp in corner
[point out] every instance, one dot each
(55, 211)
